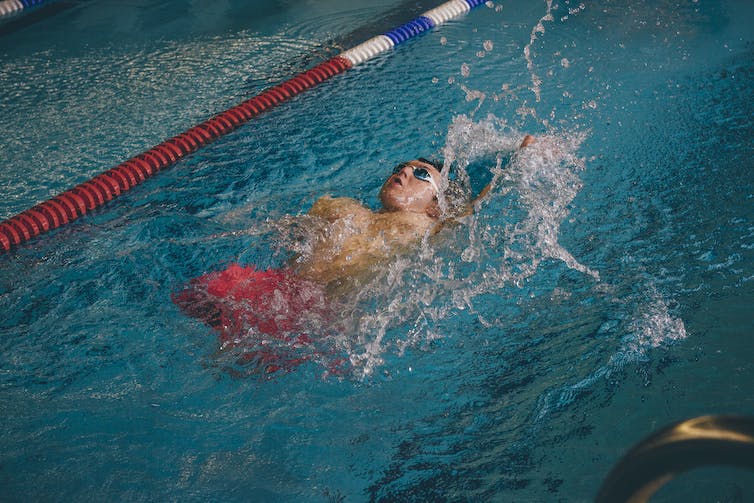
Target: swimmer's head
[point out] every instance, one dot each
(414, 186)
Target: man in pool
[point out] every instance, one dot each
(347, 247)
(361, 238)
(350, 247)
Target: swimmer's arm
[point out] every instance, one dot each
(528, 140)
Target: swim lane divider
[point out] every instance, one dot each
(8, 7)
(104, 187)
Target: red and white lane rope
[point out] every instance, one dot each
(104, 187)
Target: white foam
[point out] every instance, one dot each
(538, 29)
(652, 326)
(500, 250)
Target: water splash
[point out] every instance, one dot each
(651, 327)
(496, 250)
(501, 246)
(539, 28)
(544, 176)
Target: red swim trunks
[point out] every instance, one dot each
(268, 315)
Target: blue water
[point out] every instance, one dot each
(603, 291)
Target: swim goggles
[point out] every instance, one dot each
(419, 173)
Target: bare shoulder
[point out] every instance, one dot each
(333, 208)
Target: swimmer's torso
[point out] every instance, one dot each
(354, 238)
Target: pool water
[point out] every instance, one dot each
(601, 292)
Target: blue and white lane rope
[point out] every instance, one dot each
(427, 21)
(104, 187)
(8, 7)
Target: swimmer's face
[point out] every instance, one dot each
(407, 191)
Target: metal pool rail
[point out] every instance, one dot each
(694, 443)
(104, 187)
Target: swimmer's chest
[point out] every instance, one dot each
(381, 233)
(355, 227)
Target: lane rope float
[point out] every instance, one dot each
(87, 196)
(8, 7)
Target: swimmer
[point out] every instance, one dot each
(358, 238)
(348, 246)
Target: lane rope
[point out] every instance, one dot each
(96, 192)
(8, 7)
